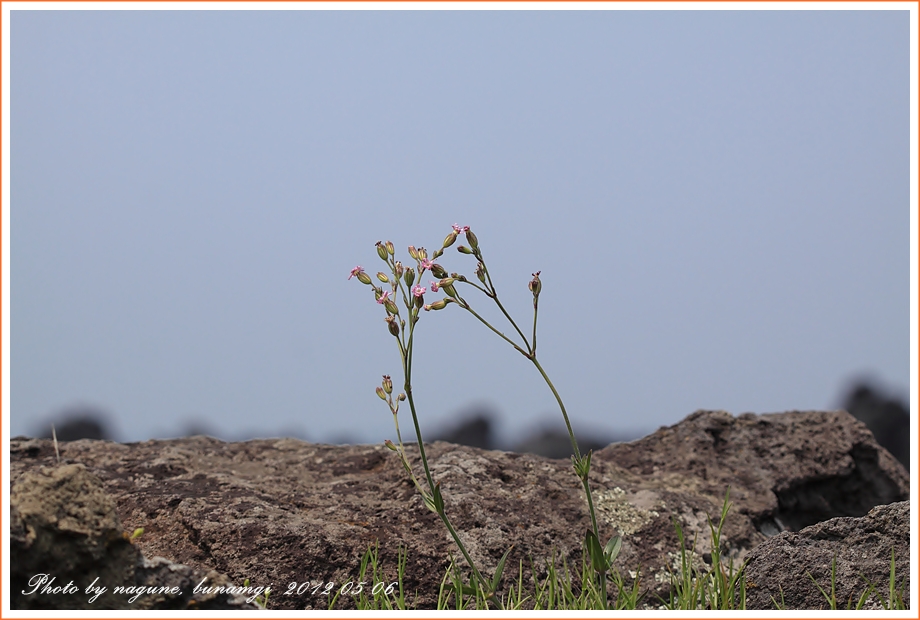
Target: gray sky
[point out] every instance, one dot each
(718, 203)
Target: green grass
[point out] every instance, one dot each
(719, 585)
(894, 600)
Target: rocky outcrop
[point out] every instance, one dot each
(844, 556)
(283, 512)
(68, 551)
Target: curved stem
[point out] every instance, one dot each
(565, 416)
(502, 308)
(467, 307)
(584, 480)
(474, 285)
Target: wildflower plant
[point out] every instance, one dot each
(406, 283)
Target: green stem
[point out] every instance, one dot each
(474, 285)
(501, 307)
(533, 348)
(565, 416)
(584, 480)
(407, 372)
(467, 307)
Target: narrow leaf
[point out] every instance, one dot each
(497, 578)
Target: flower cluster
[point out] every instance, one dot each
(405, 283)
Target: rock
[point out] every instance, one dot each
(787, 471)
(79, 422)
(475, 431)
(860, 548)
(285, 513)
(887, 418)
(66, 538)
(555, 443)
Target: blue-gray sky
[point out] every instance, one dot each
(718, 202)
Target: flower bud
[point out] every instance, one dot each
(381, 250)
(390, 445)
(399, 269)
(438, 305)
(438, 271)
(392, 325)
(449, 239)
(387, 384)
(391, 250)
(401, 396)
(381, 393)
(413, 252)
(472, 240)
(445, 281)
(363, 278)
(409, 276)
(464, 250)
(382, 277)
(390, 306)
(422, 254)
(535, 285)
(449, 289)
(481, 273)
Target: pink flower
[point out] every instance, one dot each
(460, 229)
(358, 269)
(426, 264)
(434, 286)
(418, 290)
(383, 297)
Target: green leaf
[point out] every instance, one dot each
(582, 465)
(497, 578)
(597, 554)
(612, 550)
(437, 500)
(464, 589)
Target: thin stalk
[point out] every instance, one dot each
(407, 372)
(467, 307)
(500, 306)
(584, 481)
(565, 416)
(474, 285)
(533, 348)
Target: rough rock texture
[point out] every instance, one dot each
(66, 536)
(283, 511)
(778, 570)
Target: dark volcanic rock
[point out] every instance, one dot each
(887, 418)
(66, 536)
(283, 511)
(782, 568)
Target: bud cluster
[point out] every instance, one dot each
(385, 392)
